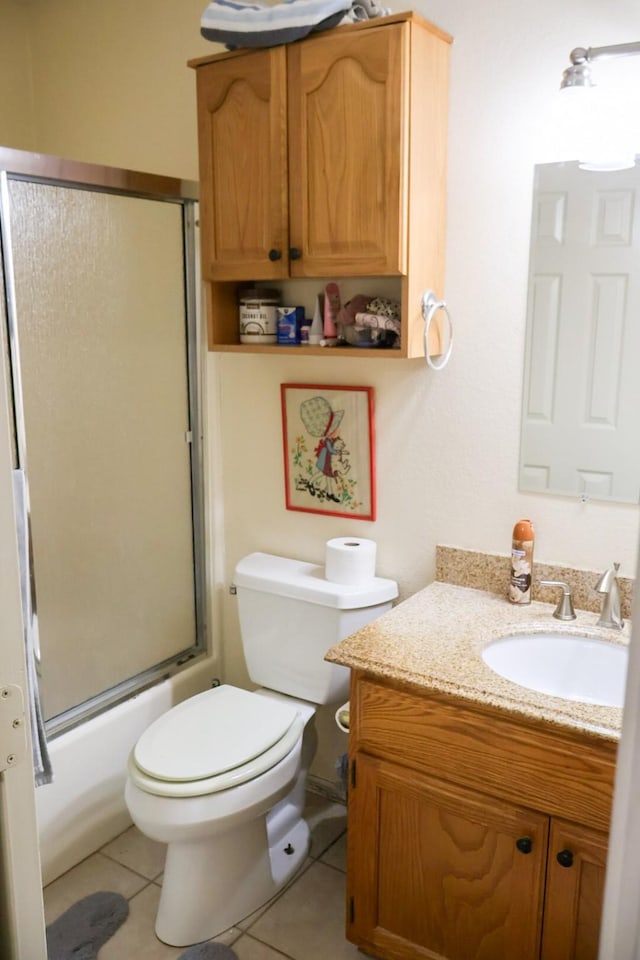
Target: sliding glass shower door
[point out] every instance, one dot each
(103, 355)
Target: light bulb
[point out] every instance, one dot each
(603, 128)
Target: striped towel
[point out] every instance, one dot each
(238, 24)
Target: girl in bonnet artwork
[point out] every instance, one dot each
(330, 452)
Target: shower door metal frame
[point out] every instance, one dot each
(22, 928)
(55, 171)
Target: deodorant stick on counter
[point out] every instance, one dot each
(521, 562)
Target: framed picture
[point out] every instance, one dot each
(328, 438)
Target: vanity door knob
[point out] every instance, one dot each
(524, 844)
(565, 858)
(295, 253)
(275, 254)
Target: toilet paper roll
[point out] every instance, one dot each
(350, 560)
(343, 717)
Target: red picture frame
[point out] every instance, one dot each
(329, 449)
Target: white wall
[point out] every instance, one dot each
(113, 88)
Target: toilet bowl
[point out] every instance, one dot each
(229, 809)
(221, 777)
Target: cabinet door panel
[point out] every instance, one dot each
(347, 129)
(242, 119)
(575, 893)
(434, 870)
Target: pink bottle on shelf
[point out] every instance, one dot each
(331, 309)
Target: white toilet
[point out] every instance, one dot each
(221, 777)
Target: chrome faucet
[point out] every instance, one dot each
(564, 610)
(607, 585)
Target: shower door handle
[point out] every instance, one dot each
(25, 557)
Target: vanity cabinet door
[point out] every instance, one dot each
(575, 891)
(436, 871)
(242, 137)
(348, 115)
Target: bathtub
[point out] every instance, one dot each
(84, 807)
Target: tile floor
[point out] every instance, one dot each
(304, 922)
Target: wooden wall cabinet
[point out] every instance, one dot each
(325, 158)
(472, 836)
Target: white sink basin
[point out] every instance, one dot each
(562, 665)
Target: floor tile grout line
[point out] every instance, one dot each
(149, 883)
(75, 866)
(332, 866)
(265, 943)
(261, 911)
(332, 843)
(125, 866)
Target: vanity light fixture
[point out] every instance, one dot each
(579, 73)
(613, 148)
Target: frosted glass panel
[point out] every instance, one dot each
(102, 339)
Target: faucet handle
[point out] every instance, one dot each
(564, 610)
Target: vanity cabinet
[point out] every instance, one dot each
(322, 159)
(472, 835)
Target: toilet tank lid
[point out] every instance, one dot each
(306, 581)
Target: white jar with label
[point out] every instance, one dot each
(258, 314)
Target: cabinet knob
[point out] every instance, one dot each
(565, 858)
(275, 254)
(295, 253)
(524, 844)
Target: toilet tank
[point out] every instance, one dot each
(290, 616)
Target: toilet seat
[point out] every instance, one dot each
(213, 741)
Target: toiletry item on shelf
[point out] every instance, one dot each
(316, 330)
(257, 313)
(331, 308)
(366, 321)
(287, 326)
(521, 562)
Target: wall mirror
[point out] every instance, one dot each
(581, 395)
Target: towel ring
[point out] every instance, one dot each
(430, 306)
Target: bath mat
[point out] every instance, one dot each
(86, 926)
(209, 951)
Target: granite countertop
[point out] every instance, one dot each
(434, 639)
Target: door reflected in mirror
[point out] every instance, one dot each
(581, 396)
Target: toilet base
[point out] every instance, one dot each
(199, 900)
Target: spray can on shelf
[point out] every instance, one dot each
(521, 562)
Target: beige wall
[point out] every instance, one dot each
(113, 88)
(112, 81)
(16, 95)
